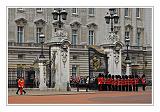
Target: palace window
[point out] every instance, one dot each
(126, 13)
(91, 37)
(20, 70)
(74, 11)
(21, 56)
(138, 38)
(20, 34)
(75, 57)
(74, 71)
(38, 32)
(127, 34)
(91, 11)
(137, 12)
(74, 37)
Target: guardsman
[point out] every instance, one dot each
(100, 82)
(105, 82)
(130, 83)
(143, 79)
(123, 83)
(126, 82)
(21, 85)
(119, 83)
(136, 82)
(77, 82)
(112, 83)
(17, 85)
(133, 83)
(87, 83)
(116, 82)
(109, 81)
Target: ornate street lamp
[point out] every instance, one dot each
(112, 16)
(41, 39)
(128, 61)
(59, 14)
(127, 41)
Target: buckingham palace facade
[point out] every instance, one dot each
(85, 27)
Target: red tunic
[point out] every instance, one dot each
(136, 80)
(115, 82)
(130, 81)
(109, 81)
(100, 80)
(126, 82)
(119, 82)
(143, 81)
(123, 82)
(21, 83)
(133, 81)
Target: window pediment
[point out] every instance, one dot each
(40, 21)
(92, 25)
(20, 21)
(75, 24)
(128, 27)
(140, 29)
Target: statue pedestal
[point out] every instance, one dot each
(60, 60)
(113, 50)
(128, 68)
(41, 74)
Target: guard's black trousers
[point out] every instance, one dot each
(144, 87)
(19, 90)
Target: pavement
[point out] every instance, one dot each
(82, 97)
(51, 91)
(47, 92)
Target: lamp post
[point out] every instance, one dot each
(41, 39)
(59, 14)
(112, 16)
(127, 41)
(111, 49)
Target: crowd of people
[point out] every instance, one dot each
(120, 83)
(104, 83)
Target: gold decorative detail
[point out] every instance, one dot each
(96, 63)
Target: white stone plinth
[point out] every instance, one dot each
(128, 69)
(42, 73)
(114, 62)
(113, 48)
(60, 62)
(61, 68)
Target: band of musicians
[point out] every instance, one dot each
(121, 83)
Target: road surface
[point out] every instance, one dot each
(99, 97)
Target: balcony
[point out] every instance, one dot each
(24, 44)
(45, 45)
